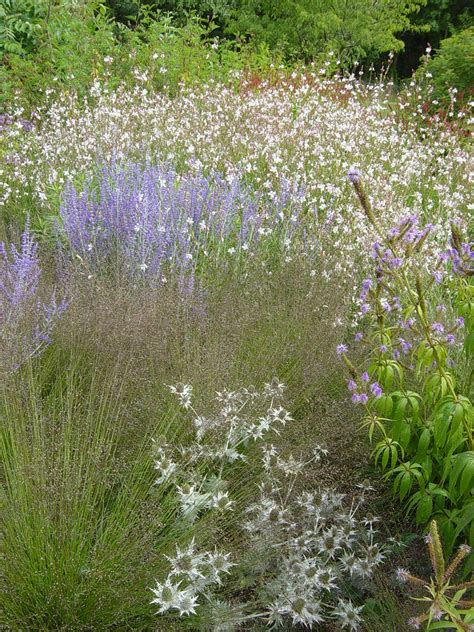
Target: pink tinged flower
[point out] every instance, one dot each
(402, 575)
(414, 623)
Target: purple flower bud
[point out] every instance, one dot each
(406, 346)
(354, 175)
(438, 328)
(365, 308)
(450, 339)
(375, 389)
(340, 349)
(351, 385)
(358, 337)
(363, 398)
(460, 321)
(367, 284)
(355, 398)
(365, 377)
(383, 348)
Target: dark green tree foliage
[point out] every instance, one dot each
(300, 29)
(20, 25)
(453, 66)
(435, 21)
(306, 29)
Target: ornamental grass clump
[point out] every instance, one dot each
(27, 316)
(418, 331)
(300, 556)
(147, 222)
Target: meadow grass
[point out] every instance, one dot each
(88, 423)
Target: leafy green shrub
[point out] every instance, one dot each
(453, 66)
(20, 25)
(417, 386)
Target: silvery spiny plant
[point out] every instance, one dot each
(303, 555)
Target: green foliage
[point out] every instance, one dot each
(21, 25)
(453, 66)
(307, 29)
(420, 403)
(82, 44)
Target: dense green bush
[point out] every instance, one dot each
(20, 25)
(76, 45)
(453, 66)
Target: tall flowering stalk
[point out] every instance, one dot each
(445, 599)
(416, 387)
(26, 321)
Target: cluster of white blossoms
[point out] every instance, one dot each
(218, 440)
(191, 574)
(302, 554)
(301, 134)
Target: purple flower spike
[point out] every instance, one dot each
(26, 322)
